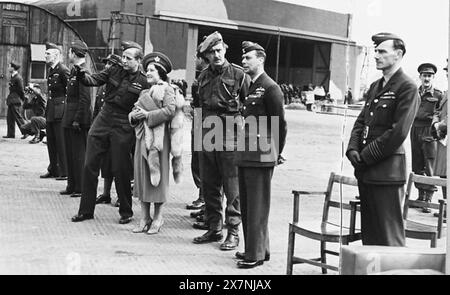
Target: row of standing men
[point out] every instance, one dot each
(78, 147)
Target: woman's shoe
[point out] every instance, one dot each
(142, 228)
(155, 228)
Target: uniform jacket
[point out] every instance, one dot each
(56, 85)
(16, 94)
(122, 88)
(78, 102)
(382, 127)
(222, 91)
(264, 100)
(36, 104)
(99, 101)
(429, 101)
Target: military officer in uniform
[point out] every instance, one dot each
(222, 87)
(14, 101)
(76, 120)
(376, 147)
(35, 101)
(264, 101)
(439, 132)
(423, 145)
(112, 131)
(105, 197)
(56, 85)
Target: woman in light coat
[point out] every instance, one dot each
(151, 118)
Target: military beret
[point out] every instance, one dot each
(427, 68)
(15, 66)
(49, 45)
(79, 47)
(114, 58)
(248, 46)
(381, 37)
(130, 44)
(159, 59)
(210, 41)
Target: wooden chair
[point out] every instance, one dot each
(420, 230)
(327, 231)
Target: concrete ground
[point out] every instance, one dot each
(37, 236)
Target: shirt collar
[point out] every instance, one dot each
(256, 78)
(423, 91)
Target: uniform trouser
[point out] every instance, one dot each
(254, 194)
(381, 214)
(195, 167)
(218, 170)
(75, 143)
(423, 153)
(13, 116)
(34, 126)
(56, 149)
(110, 131)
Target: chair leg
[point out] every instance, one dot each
(433, 241)
(323, 257)
(290, 254)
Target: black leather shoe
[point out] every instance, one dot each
(103, 199)
(82, 217)
(241, 255)
(75, 195)
(125, 220)
(208, 237)
(197, 213)
(249, 264)
(61, 178)
(200, 225)
(197, 204)
(66, 192)
(230, 243)
(47, 175)
(6, 136)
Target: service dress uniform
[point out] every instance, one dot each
(78, 109)
(378, 136)
(221, 91)
(14, 101)
(57, 87)
(112, 131)
(423, 145)
(264, 101)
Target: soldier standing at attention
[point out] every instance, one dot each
(76, 120)
(13, 101)
(56, 84)
(423, 145)
(265, 100)
(222, 88)
(376, 147)
(112, 131)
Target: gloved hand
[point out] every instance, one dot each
(355, 159)
(79, 72)
(76, 126)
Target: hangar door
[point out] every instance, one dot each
(13, 45)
